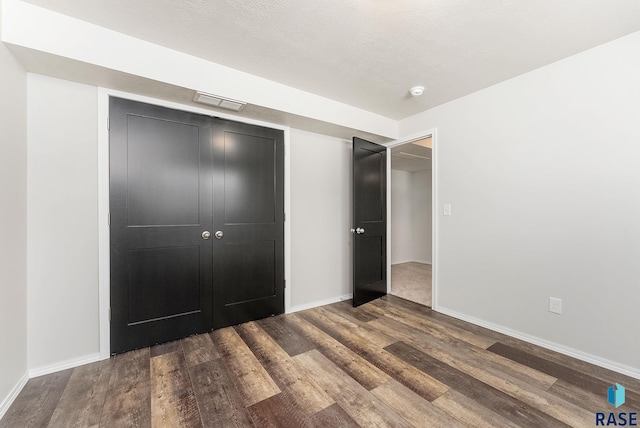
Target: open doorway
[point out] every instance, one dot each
(411, 221)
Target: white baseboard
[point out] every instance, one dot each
(7, 402)
(329, 301)
(64, 365)
(399, 262)
(583, 356)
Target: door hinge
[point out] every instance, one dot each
(285, 283)
(109, 314)
(109, 219)
(285, 217)
(108, 125)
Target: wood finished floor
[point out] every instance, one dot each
(388, 363)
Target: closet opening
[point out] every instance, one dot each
(411, 220)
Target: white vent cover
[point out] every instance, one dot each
(217, 101)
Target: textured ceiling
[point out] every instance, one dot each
(368, 53)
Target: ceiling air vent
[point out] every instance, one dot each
(217, 101)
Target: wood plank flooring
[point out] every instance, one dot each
(389, 363)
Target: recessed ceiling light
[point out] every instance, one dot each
(218, 101)
(416, 91)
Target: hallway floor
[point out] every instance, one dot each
(412, 281)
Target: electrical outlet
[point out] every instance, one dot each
(447, 209)
(555, 305)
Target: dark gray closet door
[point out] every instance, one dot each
(197, 223)
(160, 206)
(248, 223)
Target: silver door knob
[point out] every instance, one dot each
(206, 234)
(219, 234)
(360, 230)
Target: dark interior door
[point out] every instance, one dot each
(369, 221)
(160, 205)
(248, 222)
(197, 223)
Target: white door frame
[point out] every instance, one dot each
(434, 208)
(104, 266)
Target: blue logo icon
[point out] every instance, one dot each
(615, 395)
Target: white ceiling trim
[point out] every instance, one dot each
(38, 29)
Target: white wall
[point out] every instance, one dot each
(401, 217)
(542, 174)
(62, 195)
(410, 216)
(320, 218)
(13, 225)
(421, 221)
